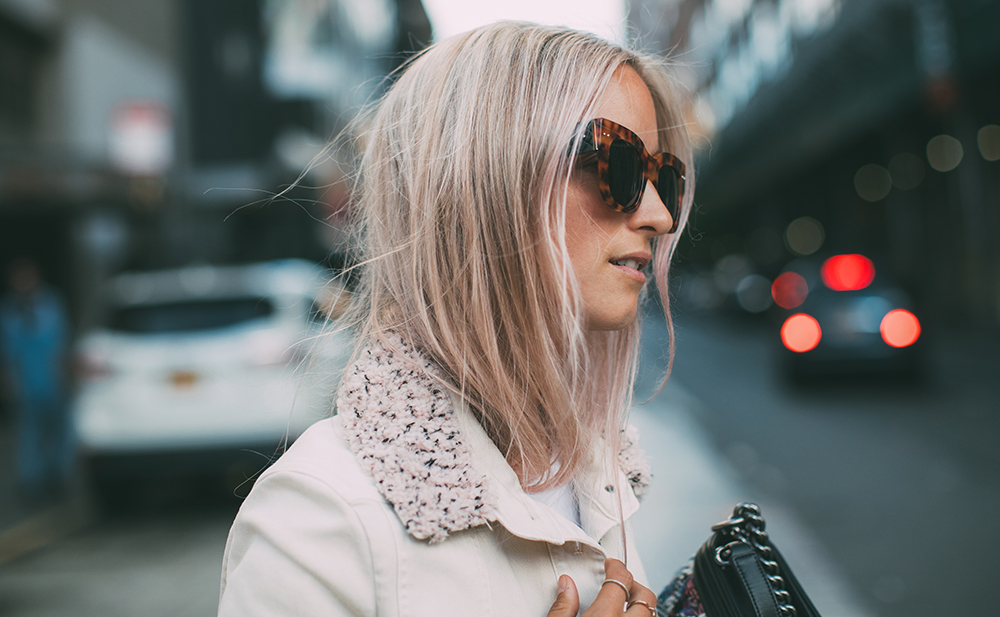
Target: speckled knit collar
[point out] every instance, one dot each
(400, 423)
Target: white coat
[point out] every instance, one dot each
(402, 506)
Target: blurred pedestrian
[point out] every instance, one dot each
(516, 182)
(34, 340)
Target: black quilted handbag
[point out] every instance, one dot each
(738, 572)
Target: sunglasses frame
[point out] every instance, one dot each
(598, 136)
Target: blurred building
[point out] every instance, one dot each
(876, 119)
(153, 133)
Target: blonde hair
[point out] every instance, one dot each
(460, 214)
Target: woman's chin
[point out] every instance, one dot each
(611, 321)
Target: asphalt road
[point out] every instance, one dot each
(153, 563)
(899, 481)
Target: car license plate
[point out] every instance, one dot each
(184, 380)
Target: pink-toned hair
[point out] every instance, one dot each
(460, 204)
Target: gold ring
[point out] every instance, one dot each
(652, 610)
(616, 582)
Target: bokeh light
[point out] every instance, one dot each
(789, 290)
(730, 270)
(907, 171)
(847, 272)
(872, 182)
(804, 236)
(900, 328)
(944, 152)
(988, 139)
(801, 333)
(698, 292)
(727, 244)
(764, 245)
(753, 293)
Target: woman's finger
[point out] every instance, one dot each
(641, 602)
(614, 592)
(567, 601)
(641, 608)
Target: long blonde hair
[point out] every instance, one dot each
(460, 214)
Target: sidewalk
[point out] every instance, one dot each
(24, 526)
(12, 508)
(694, 487)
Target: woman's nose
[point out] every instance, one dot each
(651, 215)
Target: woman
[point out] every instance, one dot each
(516, 182)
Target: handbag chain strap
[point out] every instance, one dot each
(746, 526)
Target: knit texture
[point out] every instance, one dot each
(400, 423)
(634, 462)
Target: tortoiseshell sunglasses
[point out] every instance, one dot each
(624, 165)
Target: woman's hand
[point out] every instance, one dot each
(611, 599)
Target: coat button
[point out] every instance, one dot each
(610, 488)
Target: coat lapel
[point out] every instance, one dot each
(400, 422)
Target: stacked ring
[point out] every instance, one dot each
(652, 610)
(619, 583)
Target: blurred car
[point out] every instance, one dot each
(843, 318)
(197, 370)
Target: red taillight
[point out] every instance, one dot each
(847, 272)
(789, 290)
(801, 332)
(900, 328)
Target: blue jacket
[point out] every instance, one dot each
(34, 336)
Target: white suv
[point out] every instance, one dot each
(207, 369)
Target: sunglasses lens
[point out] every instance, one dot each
(666, 187)
(624, 173)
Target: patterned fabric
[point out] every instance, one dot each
(399, 422)
(680, 598)
(634, 462)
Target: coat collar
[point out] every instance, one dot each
(435, 465)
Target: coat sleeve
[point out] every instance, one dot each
(297, 548)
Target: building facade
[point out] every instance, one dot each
(875, 119)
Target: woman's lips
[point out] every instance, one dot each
(632, 264)
(627, 267)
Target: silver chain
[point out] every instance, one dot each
(747, 526)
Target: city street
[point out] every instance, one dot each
(878, 496)
(899, 482)
(153, 565)
(190, 192)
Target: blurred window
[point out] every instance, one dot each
(191, 315)
(22, 53)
